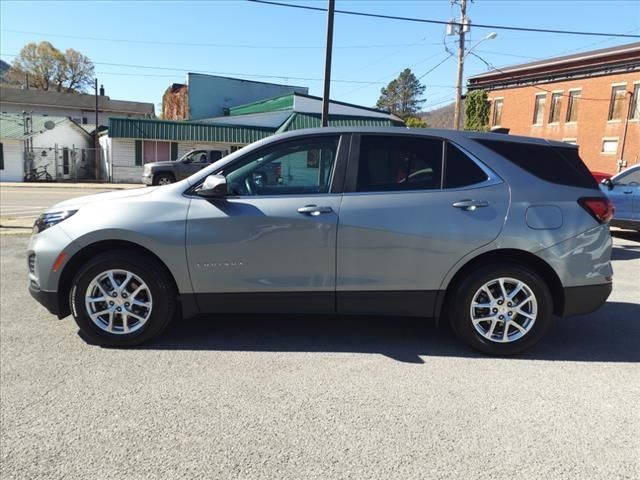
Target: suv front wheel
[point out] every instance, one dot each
(120, 301)
(501, 309)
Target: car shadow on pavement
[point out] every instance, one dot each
(608, 335)
(626, 235)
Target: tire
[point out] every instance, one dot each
(163, 179)
(488, 336)
(146, 317)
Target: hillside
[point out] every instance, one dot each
(440, 117)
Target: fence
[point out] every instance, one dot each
(63, 164)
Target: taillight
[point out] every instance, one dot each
(600, 208)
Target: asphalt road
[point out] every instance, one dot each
(29, 202)
(319, 398)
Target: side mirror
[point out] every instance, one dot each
(214, 186)
(608, 183)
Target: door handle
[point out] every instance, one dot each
(470, 205)
(627, 192)
(314, 210)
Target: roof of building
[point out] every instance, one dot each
(178, 131)
(300, 102)
(254, 121)
(12, 125)
(610, 60)
(73, 100)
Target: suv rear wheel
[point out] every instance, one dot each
(501, 308)
(163, 179)
(120, 301)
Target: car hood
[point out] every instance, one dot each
(76, 203)
(161, 164)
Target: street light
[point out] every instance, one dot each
(457, 115)
(491, 36)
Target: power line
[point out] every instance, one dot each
(240, 74)
(216, 45)
(443, 22)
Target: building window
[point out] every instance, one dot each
(148, 151)
(556, 106)
(572, 108)
(610, 146)
(616, 107)
(538, 110)
(497, 112)
(634, 111)
(235, 148)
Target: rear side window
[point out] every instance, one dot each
(395, 163)
(460, 170)
(561, 165)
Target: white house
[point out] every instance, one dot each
(29, 142)
(80, 107)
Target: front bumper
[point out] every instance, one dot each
(48, 300)
(147, 179)
(585, 299)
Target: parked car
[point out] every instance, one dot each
(164, 173)
(601, 176)
(483, 231)
(624, 191)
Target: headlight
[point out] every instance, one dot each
(50, 219)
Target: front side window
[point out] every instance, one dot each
(497, 112)
(396, 163)
(616, 107)
(572, 108)
(197, 156)
(556, 106)
(631, 178)
(301, 167)
(538, 109)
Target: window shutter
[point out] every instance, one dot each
(174, 150)
(138, 152)
(1, 157)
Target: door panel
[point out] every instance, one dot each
(263, 245)
(622, 198)
(409, 241)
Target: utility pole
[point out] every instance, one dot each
(457, 114)
(327, 64)
(96, 142)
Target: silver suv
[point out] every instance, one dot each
(494, 233)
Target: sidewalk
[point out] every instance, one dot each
(97, 186)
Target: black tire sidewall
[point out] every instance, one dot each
(460, 305)
(162, 295)
(157, 177)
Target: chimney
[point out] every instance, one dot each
(102, 90)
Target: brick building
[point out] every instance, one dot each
(590, 98)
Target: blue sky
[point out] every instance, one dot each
(243, 39)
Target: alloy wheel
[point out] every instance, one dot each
(504, 310)
(118, 301)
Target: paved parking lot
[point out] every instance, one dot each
(237, 397)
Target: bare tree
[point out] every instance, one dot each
(48, 68)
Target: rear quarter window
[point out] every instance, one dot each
(560, 165)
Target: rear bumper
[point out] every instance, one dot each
(48, 300)
(586, 299)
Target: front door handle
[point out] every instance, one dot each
(314, 210)
(470, 205)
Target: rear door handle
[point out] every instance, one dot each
(470, 205)
(314, 210)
